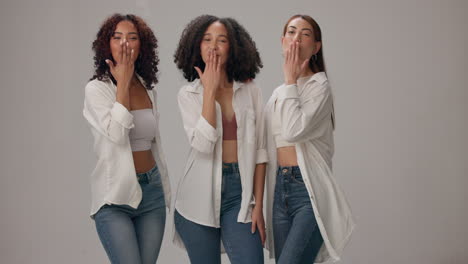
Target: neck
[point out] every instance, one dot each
(224, 81)
(307, 72)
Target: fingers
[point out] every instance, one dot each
(262, 235)
(212, 60)
(119, 53)
(110, 64)
(125, 52)
(218, 64)
(129, 51)
(199, 72)
(295, 52)
(208, 62)
(288, 53)
(254, 225)
(132, 56)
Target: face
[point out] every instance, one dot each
(215, 39)
(301, 31)
(127, 32)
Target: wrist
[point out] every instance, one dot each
(209, 94)
(258, 205)
(290, 81)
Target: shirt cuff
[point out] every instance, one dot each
(207, 130)
(121, 114)
(288, 91)
(262, 156)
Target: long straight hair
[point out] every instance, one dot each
(318, 64)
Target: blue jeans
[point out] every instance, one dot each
(135, 235)
(203, 242)
(296, 234)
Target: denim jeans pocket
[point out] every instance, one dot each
(297, 178)
(155, 179)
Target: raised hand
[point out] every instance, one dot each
(211, 77)
(293, 66)
(124, 66)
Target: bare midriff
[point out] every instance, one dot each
(143, 160)
(229, 151)
(286, 156)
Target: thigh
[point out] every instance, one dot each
(303, 240)
(149, 229)
(241, 245)
(117, 234)
(202, 243)
(281, 224)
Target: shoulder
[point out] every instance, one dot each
(193, 86)
(251, 86)
(314, 85)
(98, 87)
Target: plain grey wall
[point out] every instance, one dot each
(398, 71)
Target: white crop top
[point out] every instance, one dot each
(142, 134)
(276, 128)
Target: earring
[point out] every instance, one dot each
(314, 57)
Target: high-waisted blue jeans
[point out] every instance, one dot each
(135, 235)
(203, 243)
(297, 237)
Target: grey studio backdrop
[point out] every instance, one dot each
(398, 72)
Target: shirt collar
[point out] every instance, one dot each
(320, 77)
(141, 79)
(197, 87)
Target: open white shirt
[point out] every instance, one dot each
(113, 180)
(306, 111)
(198, 196)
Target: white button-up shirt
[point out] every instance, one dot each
(114, 181)
(198, 196)
(306, 111)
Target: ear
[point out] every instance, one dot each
(318, 46)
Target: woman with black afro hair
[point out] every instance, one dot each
(220, 196)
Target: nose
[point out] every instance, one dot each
(213, 46)
(297, 37)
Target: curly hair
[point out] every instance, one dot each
(146, 64)
(243, 61)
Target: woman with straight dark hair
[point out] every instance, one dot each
(308, 217)
(220, 196)
(130, 185)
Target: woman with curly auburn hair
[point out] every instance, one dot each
(130, 185)
(308, 217)
(220, 196)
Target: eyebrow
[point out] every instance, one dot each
(302, 29)
(218, 35)
(128, 33)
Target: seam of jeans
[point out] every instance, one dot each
(105, 242)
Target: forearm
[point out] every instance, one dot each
(123, 95)
(209, 108)
(259, 183)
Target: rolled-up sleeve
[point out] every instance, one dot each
(201, 135)
(108, 117)
(262, 156)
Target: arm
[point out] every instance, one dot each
(109, 117)
(300, 117)
(260, 168)
(201, 135)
